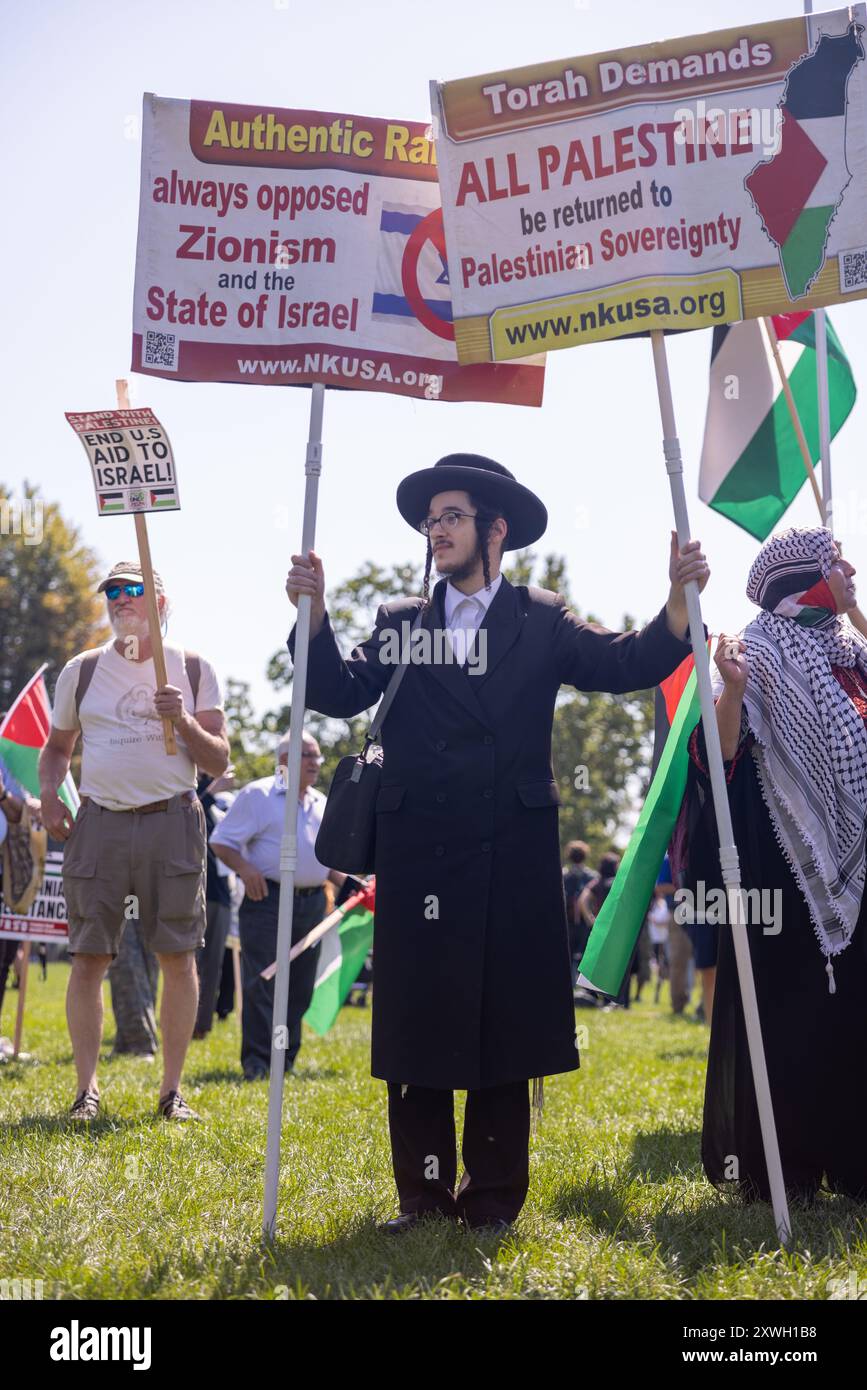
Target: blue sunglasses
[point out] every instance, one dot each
(114, 591)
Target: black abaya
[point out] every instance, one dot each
(815, 1041)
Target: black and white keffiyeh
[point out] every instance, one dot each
(811, 743)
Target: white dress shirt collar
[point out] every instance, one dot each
(483, 596)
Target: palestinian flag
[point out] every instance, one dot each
(164, 497)
(23, 734)
(344, 951)
(615, 931)
(798, 190)
(111, 502)
(751, 462)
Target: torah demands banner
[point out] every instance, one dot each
(674, 186)
(281, 248)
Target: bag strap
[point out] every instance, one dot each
(86, 670)
(392, 688)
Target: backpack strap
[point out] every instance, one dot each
(193, 664)
(86, 669)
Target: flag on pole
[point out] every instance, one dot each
(615, 931)
(23, 734)
(751, 463)
(343, 953)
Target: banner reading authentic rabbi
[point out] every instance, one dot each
(672, 186)
(280, 247)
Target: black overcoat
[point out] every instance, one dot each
(471, 959)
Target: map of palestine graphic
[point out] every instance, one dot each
(798, 190)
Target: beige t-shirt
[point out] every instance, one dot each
(124, 762)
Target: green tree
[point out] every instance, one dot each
(251, 750)
(352, 607)
(49, 608)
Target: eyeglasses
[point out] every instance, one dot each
(449, 519)
(114, 591)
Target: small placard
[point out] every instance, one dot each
(131, 460)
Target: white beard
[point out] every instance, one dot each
(129, 625)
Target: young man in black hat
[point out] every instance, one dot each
(470, 912)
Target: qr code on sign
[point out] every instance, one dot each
(853, 270)
(161, 350)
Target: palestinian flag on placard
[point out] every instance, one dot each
(751, 463)
(111, 501)
(798, 190)
(341, 958)
(615, 931)
(23, 734)
(163, 497)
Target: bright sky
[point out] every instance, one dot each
(71, 101)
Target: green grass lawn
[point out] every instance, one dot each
(618, 1206)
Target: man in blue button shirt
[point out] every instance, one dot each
(248, 841)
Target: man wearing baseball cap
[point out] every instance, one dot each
(473, 986)
(136, 849)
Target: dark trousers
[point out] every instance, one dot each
(226, 994)
(257, 925)
(495, 1151)
(8, 952)
(210, 961)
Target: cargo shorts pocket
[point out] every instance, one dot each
(181, 890)
(79, 886)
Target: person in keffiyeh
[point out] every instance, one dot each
(792, 716)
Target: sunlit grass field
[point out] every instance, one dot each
(132, 1208)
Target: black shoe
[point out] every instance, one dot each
(494, 1226)
(255, 1074)
(399, 1225)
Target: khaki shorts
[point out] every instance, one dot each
(122, 865)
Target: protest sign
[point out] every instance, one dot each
(131, 460)
(46, 918)
(672, 186)
(133, 472)
(281, 247)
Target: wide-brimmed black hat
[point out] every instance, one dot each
(490, 482)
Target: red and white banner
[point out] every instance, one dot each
(280, 247)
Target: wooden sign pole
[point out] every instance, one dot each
(22, 995)
(147, 573)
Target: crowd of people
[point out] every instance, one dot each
(668, 950)
(164, 851)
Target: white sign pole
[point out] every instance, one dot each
(289, 843)
(824, 415)
(822, 386)
(728, 851)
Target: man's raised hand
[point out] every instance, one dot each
(308, 577)
(683, 565)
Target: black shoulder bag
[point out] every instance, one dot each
(347, 835)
